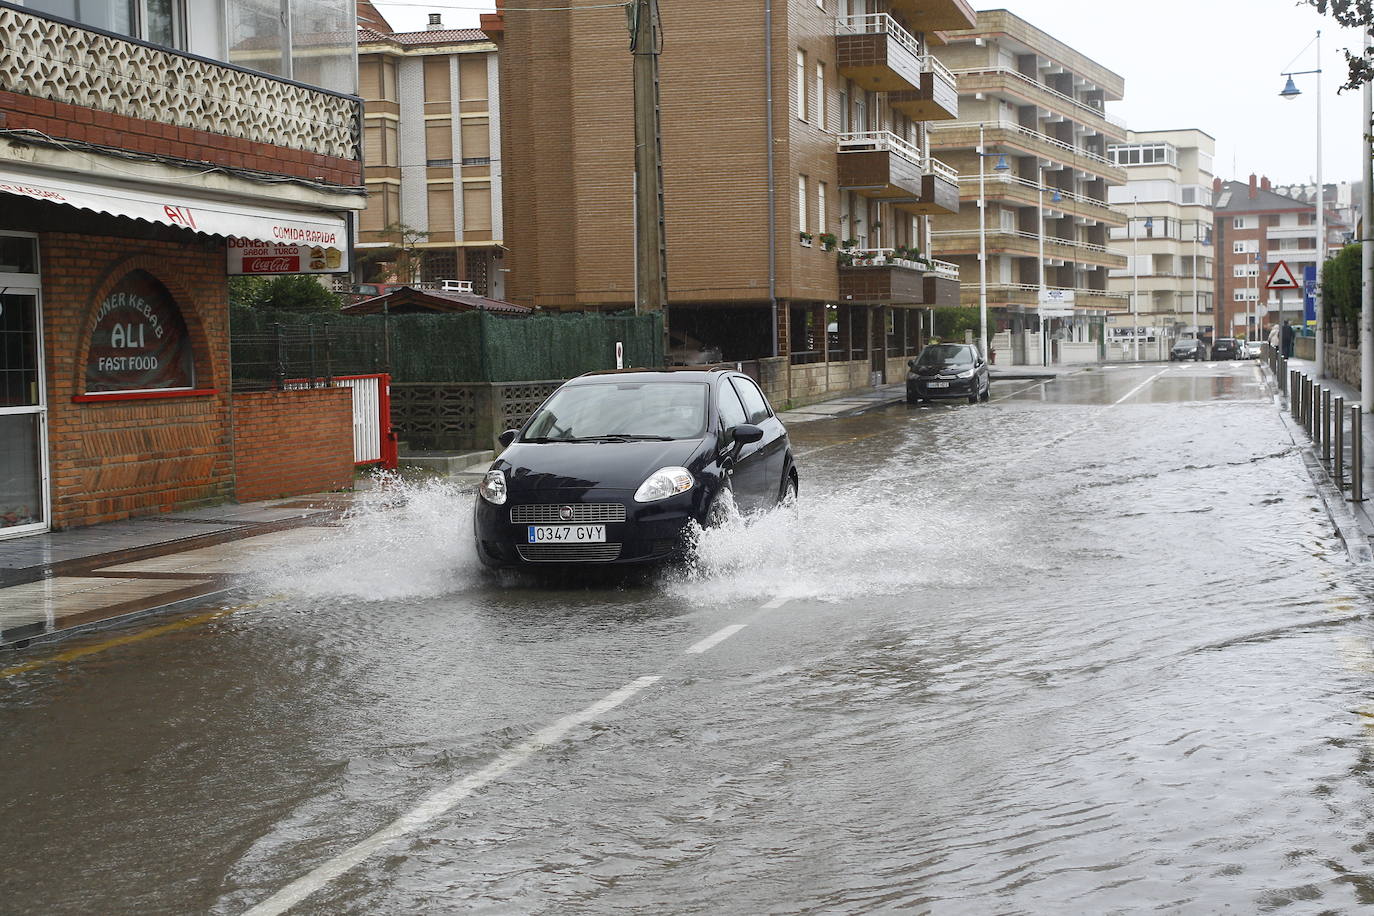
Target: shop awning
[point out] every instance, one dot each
(184, 209)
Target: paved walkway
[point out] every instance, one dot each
(1356, 520)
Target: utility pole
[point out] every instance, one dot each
(651, 259)
(1367, 249)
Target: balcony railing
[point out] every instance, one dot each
(1003, 178)
(1013, 127)
(884, 257)
(1022, 234)
(879, 141)
(65, 62)
(1018, 75)
(1034, 289)
(945, 269)
(878, 24)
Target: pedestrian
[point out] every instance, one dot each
(1286, 340)
(1274, 338)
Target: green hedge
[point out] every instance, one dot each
(474, 346)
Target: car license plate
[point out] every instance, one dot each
(567, 534)
(937, 384)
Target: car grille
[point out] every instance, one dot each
(568, 553)
(582, 514)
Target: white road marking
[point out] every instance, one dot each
(1128, 395)
(715, 639)
(775, 604)
(439, 802)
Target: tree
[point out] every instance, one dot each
(293, 293)
(1341, 287)
(410, 256)
(1355, 14)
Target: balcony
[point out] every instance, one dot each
(880, 164)
(1005, 80)
(95, 70)
(936, 15)
(877, 53)
(942, 285)
(1018, 243)
(1025, 141)
(875, 276)
(1027, 295)
(1005, 187)
(1308, 232)
(935, 99)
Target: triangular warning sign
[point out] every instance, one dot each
(1281, 277)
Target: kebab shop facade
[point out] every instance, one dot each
(115, 387)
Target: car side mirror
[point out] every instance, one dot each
(507, 437)
(746, 433)
(911, 364)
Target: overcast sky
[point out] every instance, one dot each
(1210, 64)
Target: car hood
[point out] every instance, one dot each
(540, 466)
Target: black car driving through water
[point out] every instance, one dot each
(615, 466)
(948, 371)
(1188, 348)
(1226, 348)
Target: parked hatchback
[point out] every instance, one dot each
(1188, 349)
(948, 371)
(615, 467)
(1227, 348)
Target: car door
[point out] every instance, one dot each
(742, 464)
(772, 448)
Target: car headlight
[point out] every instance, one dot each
(663, 483)
(493, 488)
(968, 374)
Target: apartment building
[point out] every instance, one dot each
(147, 152)
(1168, 240)
(803, 251)
(431, 147)
(1255, 228)
(1038, 109)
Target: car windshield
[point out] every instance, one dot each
(621, 410)
(945, 356)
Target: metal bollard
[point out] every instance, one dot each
(1294, 393)
(1308, 390)
(1326, 425)
(1356, 456)
(1338, 433)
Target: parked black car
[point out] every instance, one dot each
(1226, 348)
(1188, 349)
(614, 466)
(948, 371)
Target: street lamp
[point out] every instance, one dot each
(1001, 166)
(1291, 91)
(1135, 280)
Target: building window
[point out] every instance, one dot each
(801, 202)
(820, 96)
(801, 84)
(820, 206)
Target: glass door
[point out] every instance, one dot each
(23, 420)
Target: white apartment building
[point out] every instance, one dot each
(1168, 236)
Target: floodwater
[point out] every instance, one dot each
(1093, 647)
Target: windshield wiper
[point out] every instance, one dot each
(630, 437)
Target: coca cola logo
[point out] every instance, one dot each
(278, 265)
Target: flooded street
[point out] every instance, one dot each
(1092, 647)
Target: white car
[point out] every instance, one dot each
(1253, 349)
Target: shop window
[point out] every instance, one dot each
(140, 341)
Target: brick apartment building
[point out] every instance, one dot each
(1255, 228)
(1041, 107)
(141, 160)
(852, 85)
(431, 147)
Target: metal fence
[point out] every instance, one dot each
(1335, 428)
(306, 355)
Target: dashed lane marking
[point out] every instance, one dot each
(715, 639)
(442, 800)
(775, 604)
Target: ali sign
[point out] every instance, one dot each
(247, 257)
(140, 341)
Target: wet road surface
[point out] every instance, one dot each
(1092, 647)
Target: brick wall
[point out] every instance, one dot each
(119, 459)
(291, 442)
(75, 122)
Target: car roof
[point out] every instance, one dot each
(669, 374)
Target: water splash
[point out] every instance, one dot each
(404, 539)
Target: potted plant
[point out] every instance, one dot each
(846, 258)
(806, 238)
(828, 241)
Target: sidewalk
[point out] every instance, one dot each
(71, 580)
(1358, 530)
